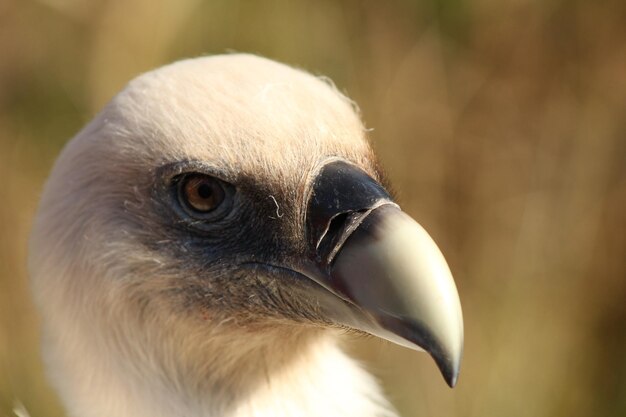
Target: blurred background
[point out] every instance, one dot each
(502, 126)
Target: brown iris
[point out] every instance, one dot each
(201, 193)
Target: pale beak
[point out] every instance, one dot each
(382, 263)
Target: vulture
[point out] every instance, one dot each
(202, 244)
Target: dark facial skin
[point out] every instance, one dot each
(235, 262)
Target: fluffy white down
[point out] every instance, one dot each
(102, 359)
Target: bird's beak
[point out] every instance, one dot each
(384, 273)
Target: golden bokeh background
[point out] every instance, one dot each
(502, 125)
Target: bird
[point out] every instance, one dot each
(202, 245)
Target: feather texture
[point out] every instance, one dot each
(108, 273)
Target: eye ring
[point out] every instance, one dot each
(200, 194)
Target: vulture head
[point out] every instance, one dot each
(200, 244)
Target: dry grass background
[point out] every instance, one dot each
(501, 124)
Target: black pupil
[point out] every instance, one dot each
(205, 191)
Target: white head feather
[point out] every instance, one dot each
(112, 343)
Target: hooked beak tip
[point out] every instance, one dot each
(449, 368)
(447, 355)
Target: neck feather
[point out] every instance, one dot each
(278, 372)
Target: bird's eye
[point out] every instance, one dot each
(200, 193)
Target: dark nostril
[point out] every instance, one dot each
(339, 190)
(339, 229)
(329, 239)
